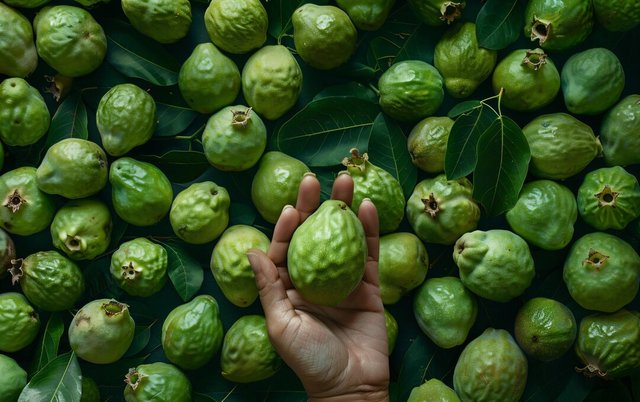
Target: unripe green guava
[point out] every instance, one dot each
(24, 116)
(158, 382)
(139, 267)
(13, 379)
(558, 24)
(18, 56)
(427, 143)
(19, 322)
(236, 26)
(403, 263)
(165, 21)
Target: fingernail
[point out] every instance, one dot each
(367, 199)
(343, 172)
(288, 206)
(309, 174)
(253, 260)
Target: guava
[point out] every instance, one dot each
(491, 368)
(49, 280)
(236, 26)
(73, 168)
(391, 324)
(24, 116)
(192, 332)
(620, 132)
(461, 61)
(18, 56)
(158, 382)
(427, 143)
(275, 184)
(90, 390)
(25, 209)
(445, 311)
(367, 15)
(141, 193)
(561, 146)
(208, 79)
(602, 272)
(433, 390)
(200, 213)
(528, 78)
(375, 183)
(592, 81)
(558, 24)
(19, 322)
(544, 215)
(437, 12)
(327, 254)
(403, 263)
(139, 267)
(7, 252)
(324, 36)
(231, 268)
(247, 354)
(617, 15)
(545, 328)
(271, 81)
(26, 3)
(165, 21)
(441, 210)
(410, 90)
(101, 331)
(13, 379)
(495, 264)
(69, 40)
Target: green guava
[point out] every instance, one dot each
(427, 143)
(139, 267)
(558, 24)
(403, 263)
(18, 56)
(620, 132)
(24, 116)
(165, 21)
(236, 26)
(157, 382)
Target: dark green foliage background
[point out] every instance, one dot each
(331, 100)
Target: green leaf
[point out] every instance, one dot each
(388, 150)
(179, 166)
(280, 12)
(348, 90)
(460, 159)
(325, 130)
(464, 107)
(58, 381)
(503, 159)
(98, 280)
(576, 389)
(140, 339)
(499, 23)
(49, 342)
(69, 121)
(242, 213)
(185, 272)
(137, 56)
(173, 119)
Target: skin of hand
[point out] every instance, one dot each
(339, 353)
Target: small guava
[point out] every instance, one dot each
(158, 382)
(24, 116)
(620, 132)
(139, 267)
(18, 56)
(403, 263)
(432, 391)
(558, 25)
(13, 379)
(437, 12)
(427, 143)
(236, 26)
(367, 15)
(165, 21)
(19, 322)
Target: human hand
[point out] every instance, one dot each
(339, 353)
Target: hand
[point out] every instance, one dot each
(339, 353)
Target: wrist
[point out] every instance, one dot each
(368, 396)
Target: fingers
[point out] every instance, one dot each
(343, 189)
(308, 196)
(285, 226)
(369, 217)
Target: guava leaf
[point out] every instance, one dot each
(499, 23)
(280, 12)
(59, 381)
(463, 107)
(502, 162)
(320, 133)
(140, 339)
(69, 121)
(388, 150)
(48, 344)
(179, 166)
(350, 89)
(185, 272)
(173, 119)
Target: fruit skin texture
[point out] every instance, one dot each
(620, 132)
(208, 79)
(609, 344)
(25, 209)
(558, 24)
(433, 390)
(139, 267)
(495, 264)
(192, 332)
(592, 81)
(445, 311)
(324, 36)
(101, 331)
(158, 382)
(13, 379)
(410, 90)
(73, 168)
(234, 139)
(18, 56)
(49, 280)
(69, 39)
(367, 15)
(200, 213)
(545, 328)
(403, 263)
(375, 183)
(617, 15)
(441, 210)
(544, 214)
(141, 193)
(275, 184)
(271, 81)
(529, 78)
(427, 143)
(26, 3)
(391, 325)
(602, 272)
(437, 12)
(609, 198)
(166, 21)
(230, 266)
(247, 354)
(491, 368)
(24, 116)
(461, 61)
(236, 26)
(561, 145)
(19, 322)
(126, 118)
(327, 254)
